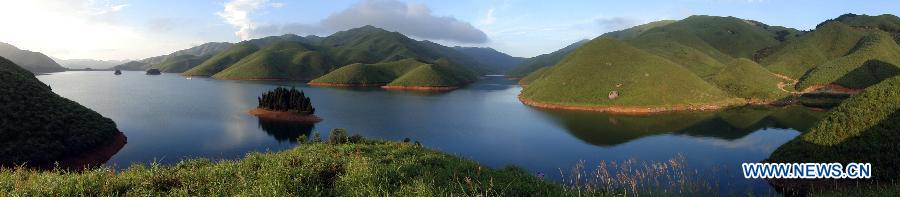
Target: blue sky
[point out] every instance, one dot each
(134, 29)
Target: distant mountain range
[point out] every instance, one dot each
(32, 61)
(89, 63)
(709, 61)
(305, 58)
(530, 65)
(493, 60)
(178, 61)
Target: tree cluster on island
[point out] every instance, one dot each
(288, 100)
(153, 71)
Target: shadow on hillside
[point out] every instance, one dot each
(876, 145)
(284, 131)
(870, 73)
(603, 129)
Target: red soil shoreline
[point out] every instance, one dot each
(645, 110)
(346, 84)
(421, 88)
(385, 86)
(284, 116)
(98, 156)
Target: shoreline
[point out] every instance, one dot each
(830, 89)
(421, 88)
(284, 116)
(648, 110)
(89, 159)
(345, 85)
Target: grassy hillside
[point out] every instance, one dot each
(684, 49)
(796, 57)
(205, 49)
(35, 62)
(338, 167)
(179, 64)
(854, 51)
(493, 60)
(636, 30)
(545, 60)
(540, 73)
(362, 74)
(284, 60)
(132, 65)
(732, 36)
(746, 79)
(291, 57)
(38, 126)
(369, 44)
(875, 57)
(589, 74)
(439, 74)
(862, 129)
(457, 58)
(222, 60)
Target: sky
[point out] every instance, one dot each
(136, 29)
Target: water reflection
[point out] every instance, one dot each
(608, 130)
(285, 131)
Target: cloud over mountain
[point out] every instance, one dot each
(410, 19)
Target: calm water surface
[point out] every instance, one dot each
(169, 117)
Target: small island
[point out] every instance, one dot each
(284, 104)
(118, 72)
(153, 71)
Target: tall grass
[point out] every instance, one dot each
(639, 178)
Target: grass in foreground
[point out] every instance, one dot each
(339, 166)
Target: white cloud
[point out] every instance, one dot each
(237, 13)
(277, 5)
(608, 24)
(410, 19)
(489, 18)
(75, 29)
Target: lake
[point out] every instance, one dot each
(169, 117)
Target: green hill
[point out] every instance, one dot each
(457, 58)
(746, 79)
(684, 49)
(370, 44)
(292, 57)
(222, 60)
(539, 73)
(493, 60)
(588, 75)
(440, 73)
(132, 65)
(284, 60)
(874, 58)
(370, 74)
(532, 64)
(796, 57)
(178, 61)
(853, 51)
(406, 72)
(732, 36)
(179, 64)
(861, 129)
(35, 62)
(636, 30)
(38, 126)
